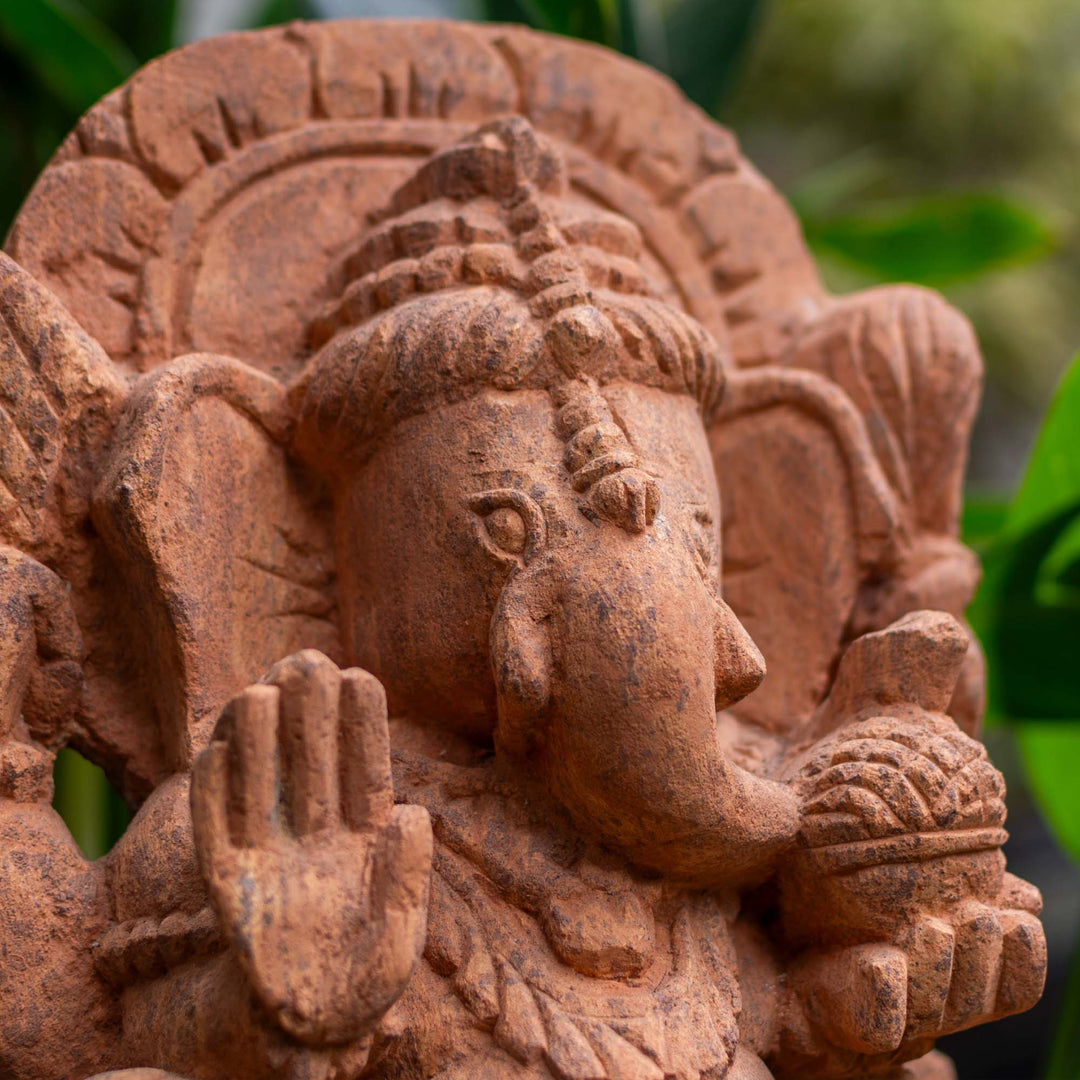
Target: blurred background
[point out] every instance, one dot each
(933, 141)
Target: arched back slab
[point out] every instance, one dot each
(256, 160)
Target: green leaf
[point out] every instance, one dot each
(1051, 752)
(983, 518)
(1031, 634)
(75, 58)
(706, 39)
(1028, 605)
(94, 813)
(936, 240)
(1027, 613)
(1052, 477)
(282, 11)
(1031, 639)
(591, 20)
(1059, 572)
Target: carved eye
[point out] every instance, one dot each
(511, 524)
(507, 530)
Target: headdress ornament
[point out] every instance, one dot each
(485, 270)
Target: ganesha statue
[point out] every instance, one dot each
(523, 609)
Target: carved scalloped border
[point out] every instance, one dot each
(157, 160)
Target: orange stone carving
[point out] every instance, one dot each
(386, 408)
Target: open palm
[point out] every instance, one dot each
(320, 881)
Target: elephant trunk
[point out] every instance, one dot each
(611, 669)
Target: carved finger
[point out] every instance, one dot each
(1019, 895)
(928, 946)
(976, 967)
(407, 865)
(366, 784)
(856, 996)
(308, 737)
(209, 808)
(254, 766)
(1023, 962)
(400, 894)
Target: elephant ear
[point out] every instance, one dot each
(60, 399)
(862, 426)
(807, 516)
(223, 539)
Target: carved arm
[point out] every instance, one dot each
(57, 1012)
(276, 901)
(900, 920)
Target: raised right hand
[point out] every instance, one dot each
(320, 881)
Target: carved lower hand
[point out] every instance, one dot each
(940, 974)
(321, 883)
(900, 853)
(981, 962)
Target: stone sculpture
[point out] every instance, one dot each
(404, 630)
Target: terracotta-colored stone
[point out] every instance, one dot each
(417, 635)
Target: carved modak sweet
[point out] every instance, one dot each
(405, 634)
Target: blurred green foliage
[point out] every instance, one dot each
(591, 20)
(935, 240)
(72, 55)
(699, 43)
(94, 812)
(865, 104)
(58, 58)
(1027, 615)
(1028, 607)
(1027, 610)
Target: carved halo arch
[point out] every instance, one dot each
(256, 159)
